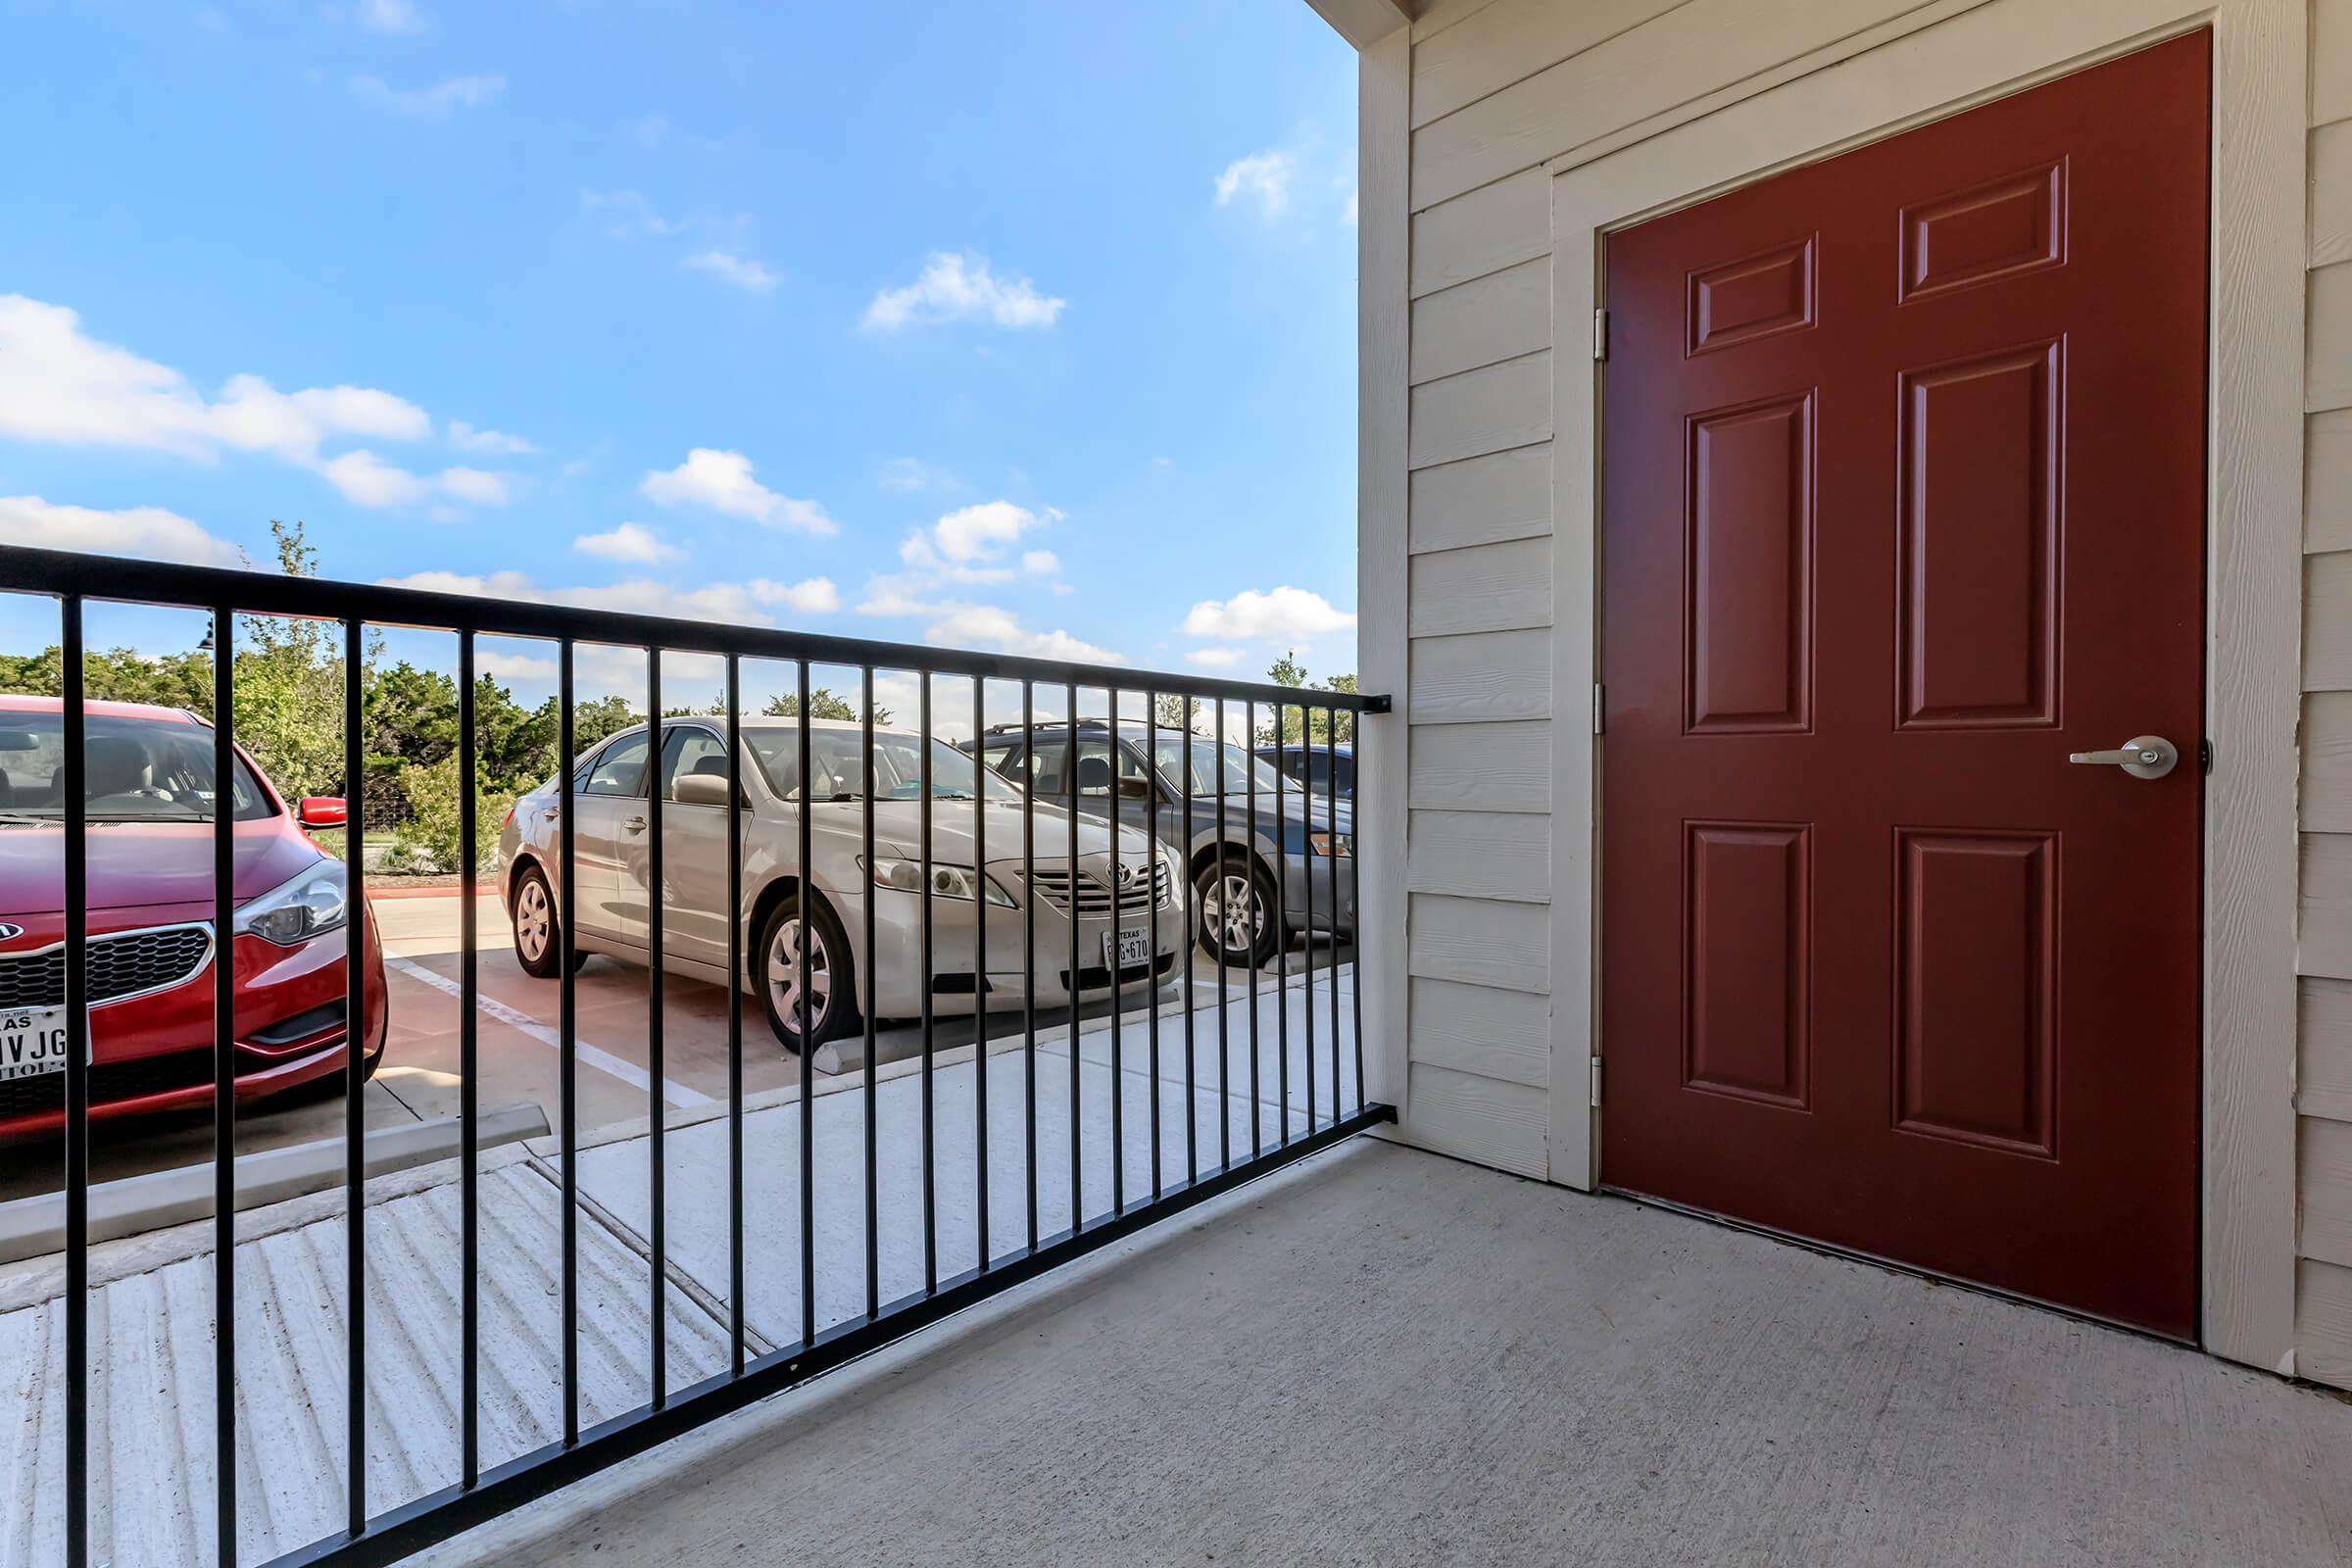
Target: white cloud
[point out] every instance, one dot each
(986, 627)
(397, 17)
(975, 534)
(148, 532)
(1281, 613)
(722, 481)
(472, 438)
(1348, 213)
(959, 286)
(437, 102)
(631, 541)
(626, 213)
(740, 271)
(369, 481)
(487, 660)
(738, 602)
(914, 473)
(57, 384)
(366, 480)
(474, 484)
(1262, 176)
(1215, 658)
(968, 545)
(815, 596)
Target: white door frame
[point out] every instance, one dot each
(2253, 543)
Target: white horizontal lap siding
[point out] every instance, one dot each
(2324, 935)
(1482, 501)
(1499, 317)
(1498, 587)
(1481, 411)
(1482, 767)
(1482, 855)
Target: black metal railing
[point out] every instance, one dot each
(380, 1530)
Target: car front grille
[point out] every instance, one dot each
(120, 965)
(1053, 884)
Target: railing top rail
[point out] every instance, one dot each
(24, 570)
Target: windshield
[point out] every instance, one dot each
(134, 769)
(1240, 766)
(836, 757)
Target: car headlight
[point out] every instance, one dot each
(311, 905)
(1331, 844)
(947, 881)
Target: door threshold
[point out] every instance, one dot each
(1850, 1255)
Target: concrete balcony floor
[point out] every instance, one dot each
(1386, 1356)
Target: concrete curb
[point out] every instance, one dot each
(31, 1227)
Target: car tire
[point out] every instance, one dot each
(1257, 948)
(538, 935)
(832, 976)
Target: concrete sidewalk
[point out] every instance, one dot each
(151, 1310)
(1384, 1356)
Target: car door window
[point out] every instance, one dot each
(1045, 775)
(1318, 771)
(1004, 759)
(691, 749)
(619, 769)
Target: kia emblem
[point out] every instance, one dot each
(10, 933)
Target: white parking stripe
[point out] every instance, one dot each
(677, 1094)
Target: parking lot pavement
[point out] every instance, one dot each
(517, 1047)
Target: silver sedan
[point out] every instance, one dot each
(970, 809)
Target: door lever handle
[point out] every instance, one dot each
(2141, 756)
(635, 824)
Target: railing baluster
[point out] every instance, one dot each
(470, 1314)
(1110, 964)
(810, 901)
(1069, 780)
(354, 1106)
(1224, 934)
(1331, 825)
(874, 1082)
(980, 886)
(1306, 816)
(1151, 905)
(1251, 915)
(656, 893)
(1029, 940)
(1282, 945)
(78, 1087)
(735, 984)
(930, 969)
(1356, 902)
(225, 1090)
(567, 1044)
(1191, 951)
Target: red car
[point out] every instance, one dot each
(150, 794)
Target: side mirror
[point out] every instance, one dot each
(322, 810)
(699, 789)
(1133, 788)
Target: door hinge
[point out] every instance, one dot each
(1600, 332)
(1596, 1099)
(1600, 719)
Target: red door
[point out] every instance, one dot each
(1904, 504)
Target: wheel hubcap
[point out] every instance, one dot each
(531, 921)
(1234, 913)
(784, 975)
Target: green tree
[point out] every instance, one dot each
(822, 704)
(1313, 724)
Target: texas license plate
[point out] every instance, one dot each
(1134, 948)
(33, 1042)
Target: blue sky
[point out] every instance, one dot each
(1026, 326)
